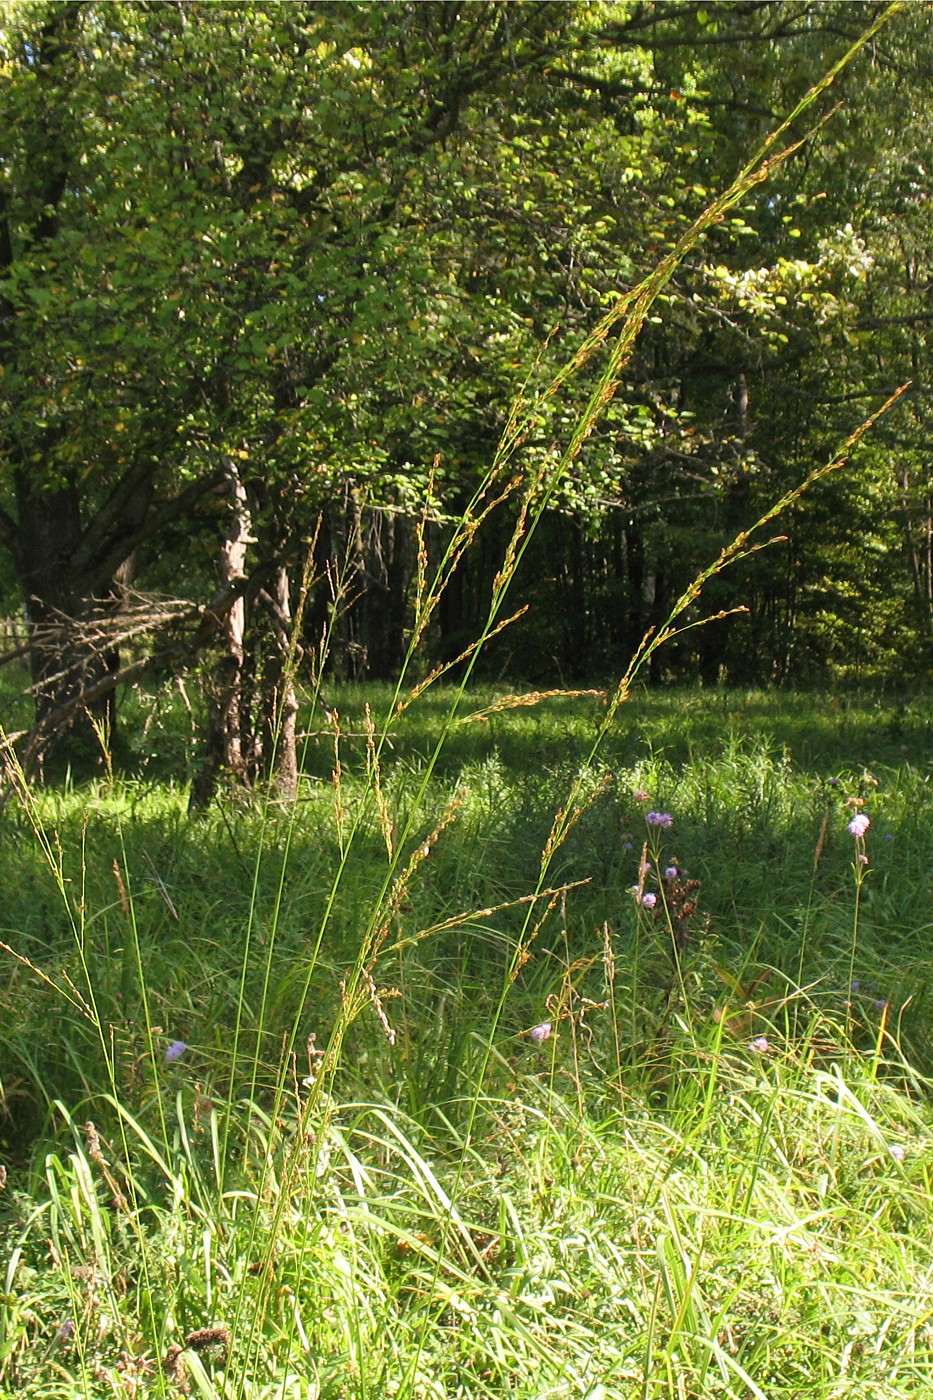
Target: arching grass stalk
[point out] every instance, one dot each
(533, 493)
(626, 318)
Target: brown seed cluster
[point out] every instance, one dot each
(681, 899)
(214, 1342)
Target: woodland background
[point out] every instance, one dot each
(273, 276)
(567, 1037)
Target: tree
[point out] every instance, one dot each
(261, 265)
(208, 211)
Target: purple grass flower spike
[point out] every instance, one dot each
(649, 900)
(859, 825)
(540, 1033)
(659, 819)
(176, 1050)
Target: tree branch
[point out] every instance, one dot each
(119, 546)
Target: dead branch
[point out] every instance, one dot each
(178, 632)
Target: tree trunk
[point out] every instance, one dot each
(279, 698)
(227, 739)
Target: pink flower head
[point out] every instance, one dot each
(859, 825)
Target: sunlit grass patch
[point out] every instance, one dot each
(760, 1226)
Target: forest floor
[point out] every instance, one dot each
(513, 1060)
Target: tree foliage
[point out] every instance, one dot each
(275, 273)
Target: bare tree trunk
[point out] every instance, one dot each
(233, 568)
(227, 737)
(279, 697)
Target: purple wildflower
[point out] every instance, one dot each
(859, 825)
(760, 1044)
(898, 1151)
(649, 900)
(659, 819)
(671, 872)
(175, 1050)
(833, 782)
(541, 1032)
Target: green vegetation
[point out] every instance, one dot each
(370, 1031)
(427, 1139)
(277, 279)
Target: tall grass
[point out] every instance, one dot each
(592, 1072)
(626, 1147)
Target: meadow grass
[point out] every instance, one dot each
(431, 1137)
(559, 1048)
